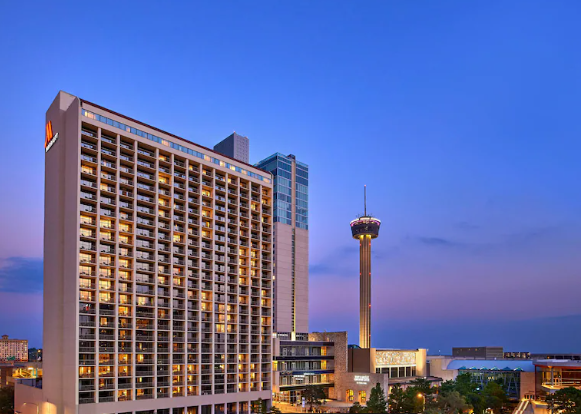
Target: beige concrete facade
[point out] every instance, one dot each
(157, 271)
(292, 278)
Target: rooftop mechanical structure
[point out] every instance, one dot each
(364, 229)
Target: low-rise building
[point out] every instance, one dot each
(302, 360)
(10, 372)
(369, 366)
(518, 376)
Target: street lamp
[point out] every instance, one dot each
(420, 395)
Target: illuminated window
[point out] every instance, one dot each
(105, 297)
(350, 395)
(362, 397)
(105, 285)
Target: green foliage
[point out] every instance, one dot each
(451, 402)
(313, 395)
(495, 397)
(398, 401)
(376, 402)
(7, 400)
(356, 408)
(462, 394)
(567, 399)
(275, 410)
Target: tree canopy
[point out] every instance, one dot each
(567, 399)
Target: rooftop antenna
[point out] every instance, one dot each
(365, 200)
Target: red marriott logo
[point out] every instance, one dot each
(49, 138)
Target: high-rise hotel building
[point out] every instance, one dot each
(291, 245)
(13, 349)
(158, 270)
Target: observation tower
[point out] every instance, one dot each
(364, 229)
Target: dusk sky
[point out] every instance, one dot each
(462, 117)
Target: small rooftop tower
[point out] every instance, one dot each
(364, 229)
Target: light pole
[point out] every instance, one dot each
(420, 395)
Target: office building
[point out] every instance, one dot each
(480, 352)
(234, 146)
(291, 244)
(308, 360)
(157, 269)
(13, 349)
(364, 229)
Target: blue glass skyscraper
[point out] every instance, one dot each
(291, 242)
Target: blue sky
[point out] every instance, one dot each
(461, 117)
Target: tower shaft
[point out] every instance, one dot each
(365, 291)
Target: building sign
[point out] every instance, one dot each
(394, 358)
(362, 379)
(49, 137)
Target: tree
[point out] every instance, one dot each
(464, 384)
(274, 410)
(422, 385)
(495, 397)
(7, 400)
(355, 408)
(451, 402)
(376, 402)
(567, 399)
(313, 395)
(399, 401)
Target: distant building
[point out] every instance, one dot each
(517, 355)
(34, 354)
(291, 243)
(234, 146)
(517, 376)
(13, 349)
(483, 352)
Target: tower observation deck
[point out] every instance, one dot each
(365, 228)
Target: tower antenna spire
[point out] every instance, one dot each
(365, 200)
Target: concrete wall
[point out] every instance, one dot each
(302, 279)
(30, 400)
(283, 292)
(527, 384)
(439, 368)
(421, 362)
(339, 354)
(360, 360)
(61, 223)
(358, 381)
